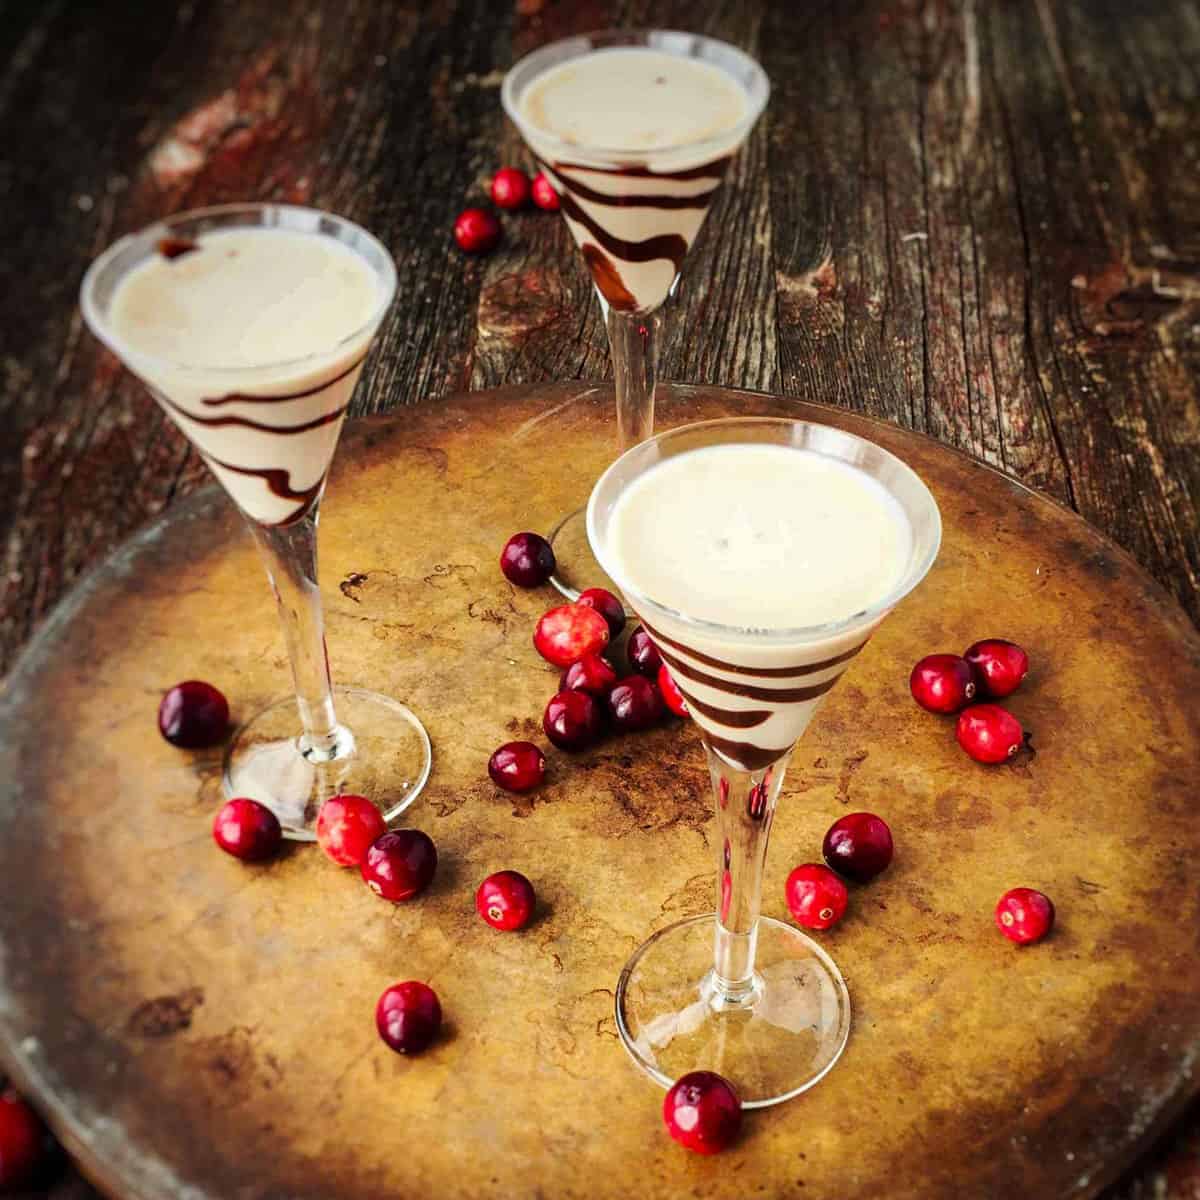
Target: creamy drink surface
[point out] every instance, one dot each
(634, 98)
(757, 537)
(636, 142)
(761, 536)
(252, 339)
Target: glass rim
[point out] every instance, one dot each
(742, 633)
(101, 327)
(615, 154)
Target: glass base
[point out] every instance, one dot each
(776, 1043)
(382, 752)
(577, 568)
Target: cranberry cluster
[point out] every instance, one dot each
(477, 230)
(858, 846)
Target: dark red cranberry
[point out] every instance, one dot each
(989, 733)
(999, 666)
(408, 1016)
(671, 694)
(607, 605)
(505, 900)
(566, 633)
(544, 195)
(1024, 915)
(591, 674)
(510, 188)
(859, 846)
(942, 683)
(527, 560)
(400, 864)
(816, 897)
(573, 720)
(193, 715)
(476, 231)
(22, 1141)
(702, 1112)
(643, 654)
(635, 703)
(517, 766)
(247, 830)
(346, 827)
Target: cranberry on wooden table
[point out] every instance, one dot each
(942, 683)
(859, 846)
(527, 560)
(408, 1016)
(517, 766)
(400, 864)
(592, 674)
(703, 1112)
(22, 1141)
(1024, 915)
(672, 696)
(573, 720)
(510, 188)
(476, 231)
(566, 633)
(346, 827)
(544, 195)
(607, 605)
(643, 654)
(505, 900)
(635, 703)
(247, 830)
(193, 715)
(989, 733)
(815, 896)
(998, 666)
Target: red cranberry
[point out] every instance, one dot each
(247, 830)
(566, 633)
(22, 1141)
(527, 560)
(635, 703)
(400, 864)
(476, 231)
(591, 674)
(607, 605)
(193, 715)
(859, 846)
(517, 766)
(510, 188)
(999, 666)
(1024, 915)
(346, 827)
(942, 683)
(544, 195)
(408, 1016)
(643, 654)
(816, 897)
(505, 900)
(671, 693)
(702, 1112)
(989, 733)
(573, 720)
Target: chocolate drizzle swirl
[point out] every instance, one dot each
(733, 687)
(245, 422)
(669, 246)
(713, 169)
(244, 398)
(608, 279)
(638, 199)
(745, 754)
(757, 672)
(733, 718)
(279, 480)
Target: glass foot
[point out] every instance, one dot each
(776, 1044)
(577, 568)
(383, 753)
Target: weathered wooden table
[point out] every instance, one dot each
(978, 219)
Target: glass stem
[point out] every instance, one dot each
(633, 344)
(745, 806)
(289, 553)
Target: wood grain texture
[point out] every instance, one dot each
(976, 218)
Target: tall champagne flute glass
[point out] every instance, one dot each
(635, 129)
(250, 324)
(715, 533)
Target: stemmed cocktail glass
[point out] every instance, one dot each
(734, 992)
(267, 426)
(634, 212)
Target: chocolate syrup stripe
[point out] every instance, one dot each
(714, 169)
(243, 398)
(733, 687)
(757, 672)
(699, 200)
(279, 480)
(745, 754)
(732, 718)
(246, 423)
(667, 245)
